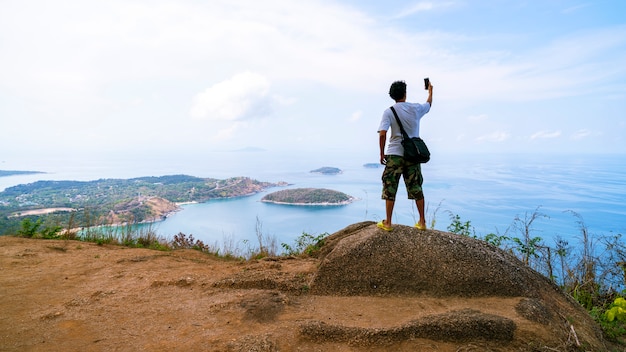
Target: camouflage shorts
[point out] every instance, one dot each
(411, 172)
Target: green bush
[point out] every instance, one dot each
(305, 244)
(29, 228)
(612, 320)
(617, 310)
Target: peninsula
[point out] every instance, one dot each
(308, 196)
(114, 201)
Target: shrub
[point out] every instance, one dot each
(306, 244)
(461, 228)
(29, 228)
(181, 241)
(612, 320)
(617, 310)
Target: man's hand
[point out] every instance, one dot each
(429, 100)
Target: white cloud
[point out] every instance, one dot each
(244, 96)
(581, 134)
(545, 135)
(356, 116)
(224, 134)
(113, 68)
(576, 8)
(421, 7)
(418, 7)
(497, 136)
(478, 118)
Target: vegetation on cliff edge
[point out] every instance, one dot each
(116, 200)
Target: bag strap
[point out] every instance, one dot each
(404, 134)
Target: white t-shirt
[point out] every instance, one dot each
(410, 115)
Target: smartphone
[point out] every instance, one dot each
(426, 83)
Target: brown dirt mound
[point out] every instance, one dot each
(408, 261)
(76, 296)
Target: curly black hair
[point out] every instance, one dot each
(397, 90)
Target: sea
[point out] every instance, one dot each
(487, 191)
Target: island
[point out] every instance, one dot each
(308, 196)
(15, 172)
(372, 165)
(116, 201)
(326, 170)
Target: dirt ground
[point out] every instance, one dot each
(60, 295)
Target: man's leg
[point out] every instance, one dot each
(420, 209)
(389, 204)
(391, 179)
(414, 180)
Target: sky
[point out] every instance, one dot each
(180, 75)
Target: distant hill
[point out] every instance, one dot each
(308, 196)
(14, 172)
(326, 170)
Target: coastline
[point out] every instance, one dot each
(312, 204)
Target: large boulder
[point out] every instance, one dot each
(407, 261)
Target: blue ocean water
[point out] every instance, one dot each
(489, 190)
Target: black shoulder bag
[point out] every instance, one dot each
(415, 150)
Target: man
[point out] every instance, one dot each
(410, 115)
